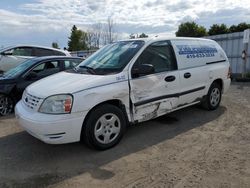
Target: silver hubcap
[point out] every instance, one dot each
(6, 105)
(107, 128)
(215, 97)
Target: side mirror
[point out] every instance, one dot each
(143, 69)
(31, 76)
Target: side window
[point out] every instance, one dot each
(160, 55)
(22, 51)
(59, 53)
(69, 64)
(46, 68)
(43, 52)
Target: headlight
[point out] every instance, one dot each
(57, 104)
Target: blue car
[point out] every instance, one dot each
(14, 81)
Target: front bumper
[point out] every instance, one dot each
(51, 129)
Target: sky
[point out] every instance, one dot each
(41, 22)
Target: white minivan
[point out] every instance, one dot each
(124, 82)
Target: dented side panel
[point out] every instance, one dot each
(153, 110)
(152, 96)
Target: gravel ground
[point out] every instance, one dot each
(188, 148)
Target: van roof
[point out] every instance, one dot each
(155, 39)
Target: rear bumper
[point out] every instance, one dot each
(51, 129)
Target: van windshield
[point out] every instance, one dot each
(111, 59)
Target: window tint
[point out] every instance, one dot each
(43, 52)
(22, 51)
(47, 68)
(160, 55)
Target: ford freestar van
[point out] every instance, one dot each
(125, 82)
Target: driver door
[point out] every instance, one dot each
(157, 93)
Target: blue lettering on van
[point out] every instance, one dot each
(195, 51)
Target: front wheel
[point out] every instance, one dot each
(6, 105)
(104, 127)
(213, 98)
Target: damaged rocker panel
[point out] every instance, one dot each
(175, 95)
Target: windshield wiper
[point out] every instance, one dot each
(89, 69)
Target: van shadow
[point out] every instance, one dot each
(27, 162)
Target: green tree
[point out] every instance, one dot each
(239, 28)
(191, 29)
(55, 45)
(217, 29)
(143, 35)
(84, 41)
(77, 40)
(233, 28)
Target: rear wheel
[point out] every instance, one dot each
(104, 127)
(6, 105)
(213, 98)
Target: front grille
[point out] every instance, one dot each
(31, 101)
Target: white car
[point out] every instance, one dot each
(125, 82)
(12, 56)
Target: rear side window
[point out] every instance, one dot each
(47, 68)
(71, 63)
(22, 51)
(160, 55)
(57, 53)
(43, 52)
(46, 65)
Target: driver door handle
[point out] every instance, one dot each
(187, 75)
(170, 78)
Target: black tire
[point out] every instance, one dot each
(209, 103)
(93, 121)
(6, 105)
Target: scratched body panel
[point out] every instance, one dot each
(152, 87)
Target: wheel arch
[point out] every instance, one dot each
(9, 90)
(115, 102)
(220, 82)
(7, 107)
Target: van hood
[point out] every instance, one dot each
(66, 82)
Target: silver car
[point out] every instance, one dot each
(12, 56)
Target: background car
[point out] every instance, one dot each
(14, 81)
(14, 55)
